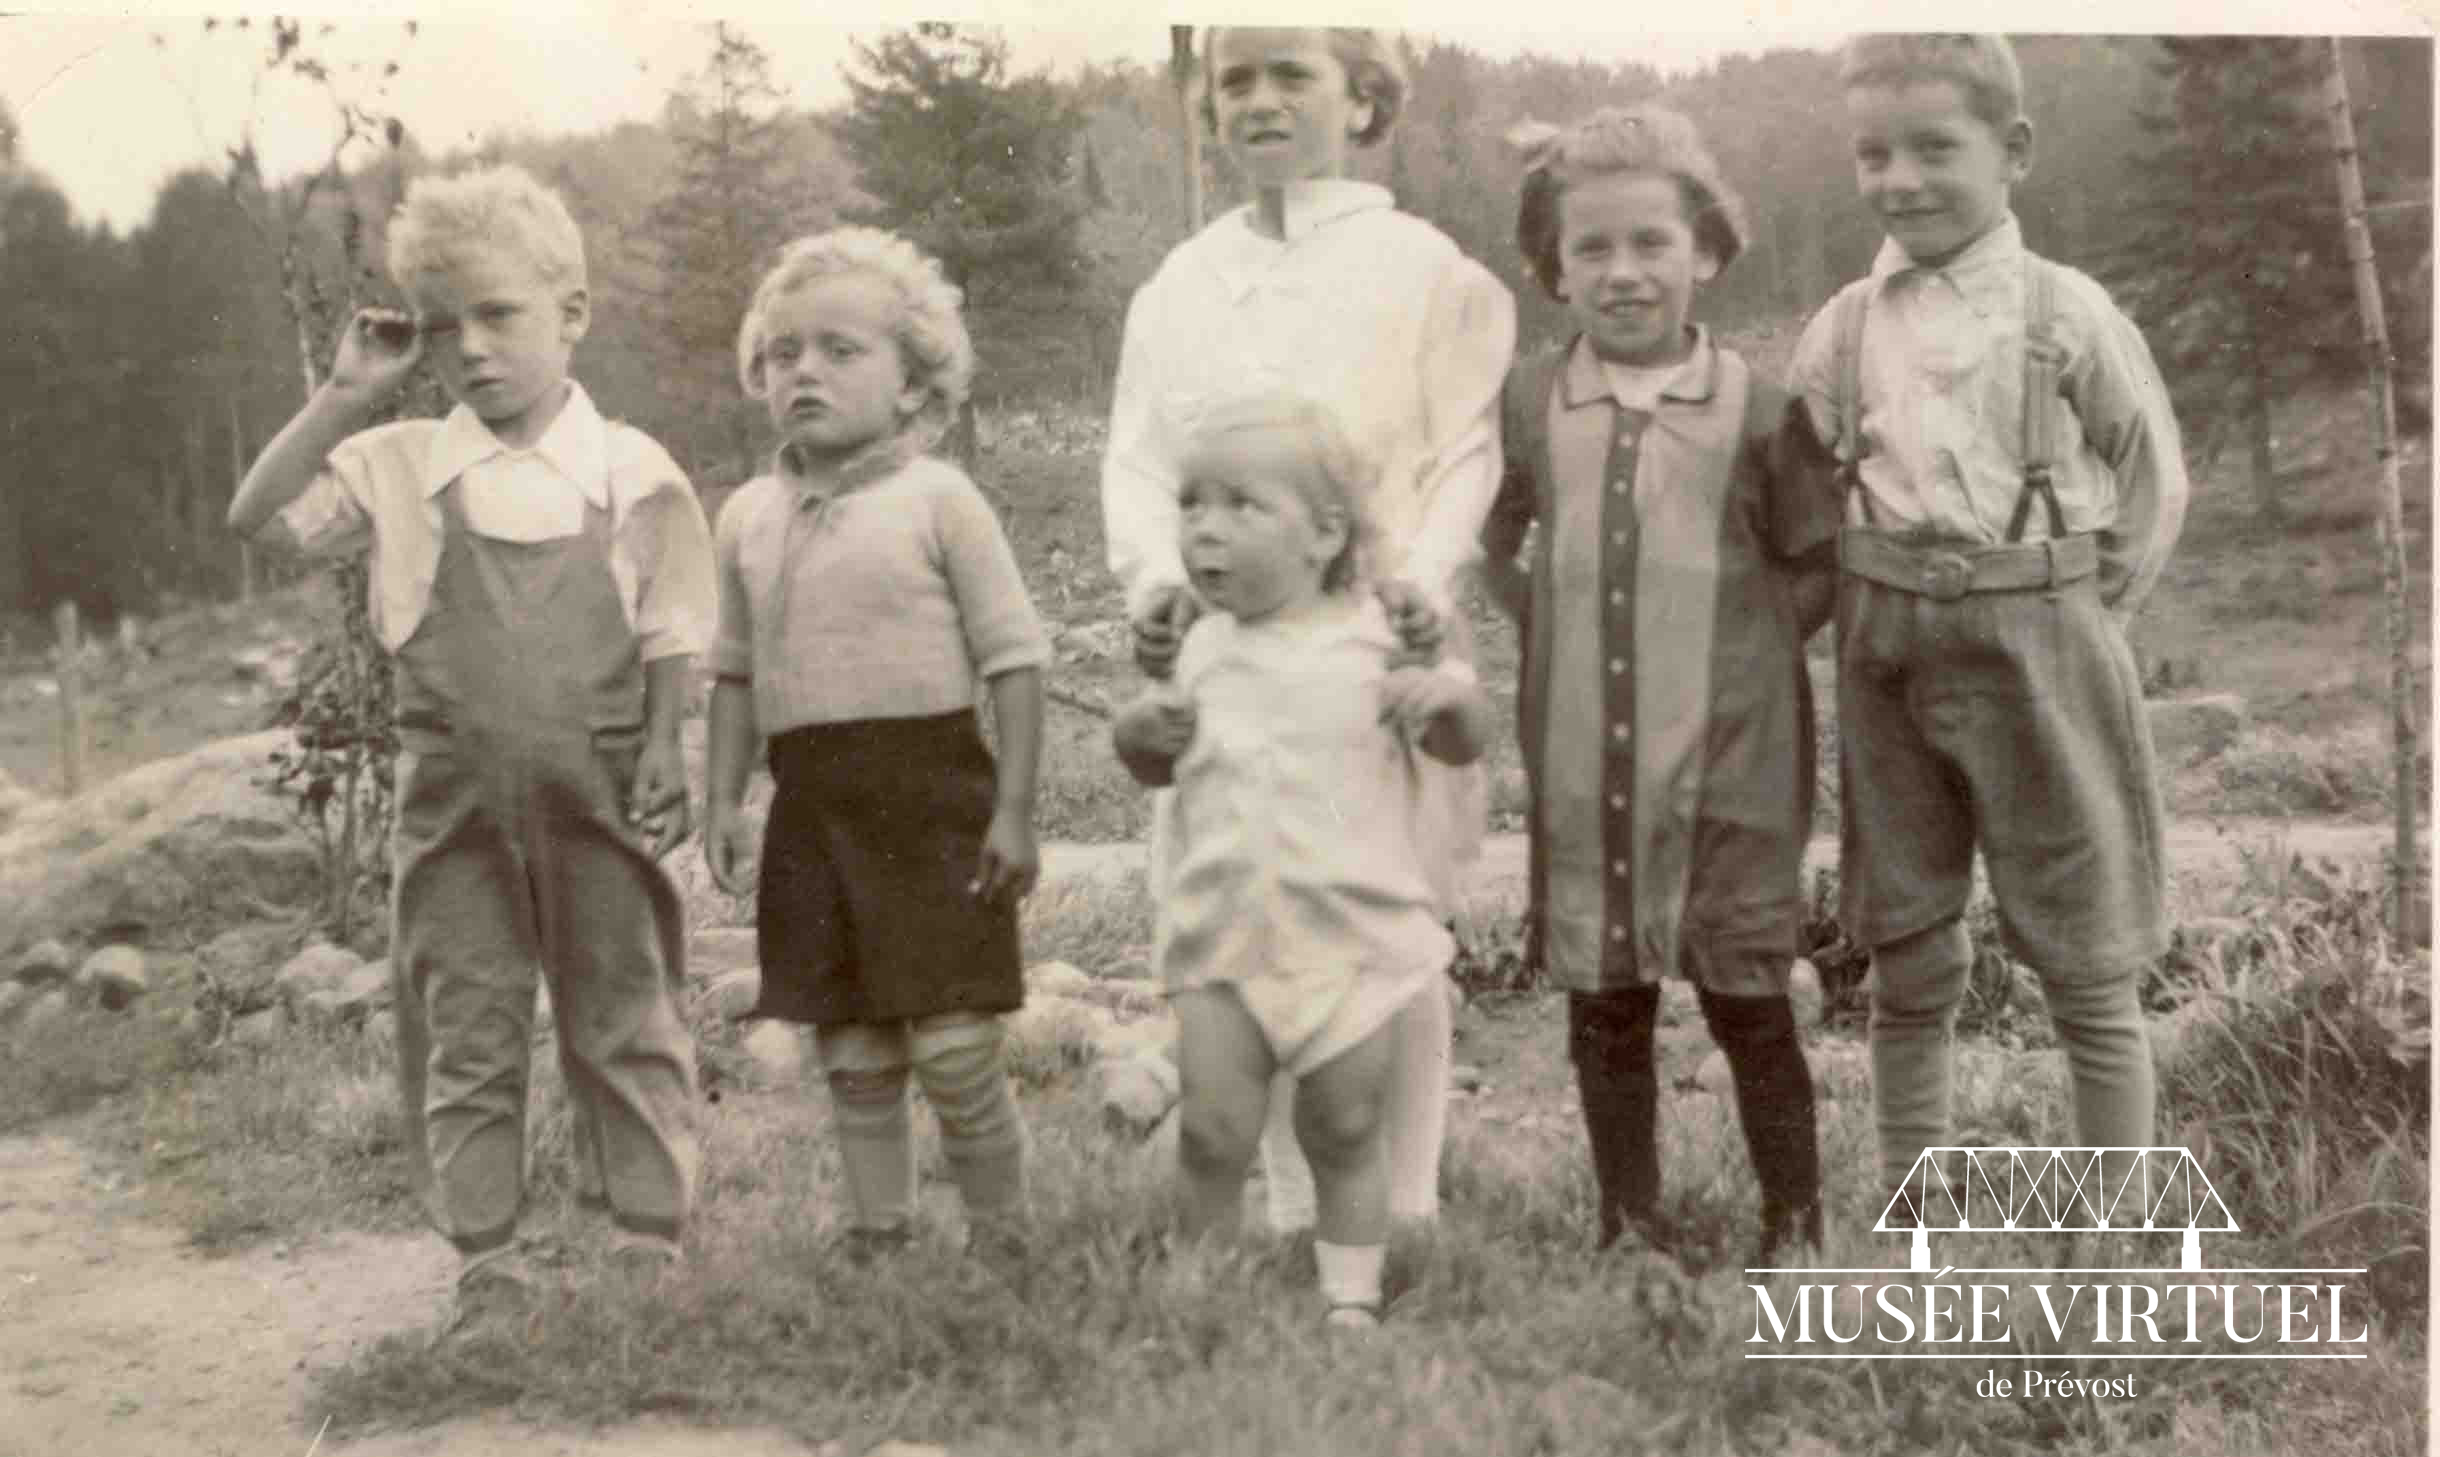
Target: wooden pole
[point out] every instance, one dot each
(71, 700)
(1190, 126)
(2384, 400)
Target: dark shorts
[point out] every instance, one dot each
(864, 912)
(2013, 720)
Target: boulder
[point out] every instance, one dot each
(193, 842)
(350, 1000)
(43, 963)
(732, 994)
(113, 976)
(1057, 1028)
(319, 967)
(1805, 992)
(715, 951)
(45, 1010)
(1156, 1034)
(1136, 1093)
(1056, 979)
(777, 1052)
(2189, 730)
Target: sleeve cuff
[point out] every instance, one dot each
(730, 658)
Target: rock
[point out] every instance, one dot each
(1805, 992)
(350, 1001)
(113, 976)
(1712, 1075)
(46, 1009)
(319, 967)
(732, 994)
(1056, 1028)
(43, 963)
(258, 1029)
(2189, 730)
(192, 841)
(715, 951)
(777, 1050)
(1154, 1034)
(1130, 997)
(1056, 979)
(1136, 1092)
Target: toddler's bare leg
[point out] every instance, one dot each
(1224, 1081)
(1415, 1109)
(1287, 1180)
(1338, 1120)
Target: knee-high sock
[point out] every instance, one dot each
(1609, 1038)
(1916, 982)
(2109, 1066)
(981, 1135)
(1774, 1093)
(876, 1144)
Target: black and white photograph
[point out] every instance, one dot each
(829, 732)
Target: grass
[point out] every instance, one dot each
(2302, 1086)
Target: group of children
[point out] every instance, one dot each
(1317, 429)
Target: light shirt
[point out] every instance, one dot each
(888, 598)
(381, 489)
(1943, 380)
(1368, 311)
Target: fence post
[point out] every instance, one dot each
(71, 699)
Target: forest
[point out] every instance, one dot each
(139, 371)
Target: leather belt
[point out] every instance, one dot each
(1946, 573)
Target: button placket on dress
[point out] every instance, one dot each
(1619, 532)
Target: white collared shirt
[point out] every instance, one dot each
(1370, 312)
(380, 489)
(1943, 380)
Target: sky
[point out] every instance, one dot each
(110, 102)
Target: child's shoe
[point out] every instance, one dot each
(864, 1244)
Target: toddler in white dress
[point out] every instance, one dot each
(1298, 921)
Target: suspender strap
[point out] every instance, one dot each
(2041, 383)
(1847, 350)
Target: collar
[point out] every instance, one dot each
(1986, 272)
(577, 445)
(1311, 206)
(1585, 382)
(870, 463)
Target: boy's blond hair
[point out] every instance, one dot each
(1615, 140)
(1339, 482)
(1983, 67)
(443, 217)
(1376, 72)
(931, 333)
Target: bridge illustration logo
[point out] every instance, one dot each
(1986, 1190)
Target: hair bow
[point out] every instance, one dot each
(1536, 143)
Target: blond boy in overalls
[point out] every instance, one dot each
(541, 577)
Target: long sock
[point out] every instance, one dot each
(876, 1144)
(1774, 1093)
(1609, 1037)
(2109, 1065)
(1916, 982)
(981, 1134)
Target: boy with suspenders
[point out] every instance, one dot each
(1986, 693)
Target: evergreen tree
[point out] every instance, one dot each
(734, 201)
(2234, 261)
(976, 168)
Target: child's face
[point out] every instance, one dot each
(1937, 174)
(1283, 103)
(1253, 545)
(500, 337)
(833, 372)
(1628, 265)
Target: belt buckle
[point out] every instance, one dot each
(1947, 576)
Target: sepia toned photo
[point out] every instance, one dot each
(766, 732)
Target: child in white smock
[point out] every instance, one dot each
(1298, 922)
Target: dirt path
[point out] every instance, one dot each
(117, 1341)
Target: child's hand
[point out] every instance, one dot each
(1151, 734)
(728, 849)
(1010, 863)
(1161, 627)
(657, 804)
(1439, 711)
(1415, 620)
(377, 351)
